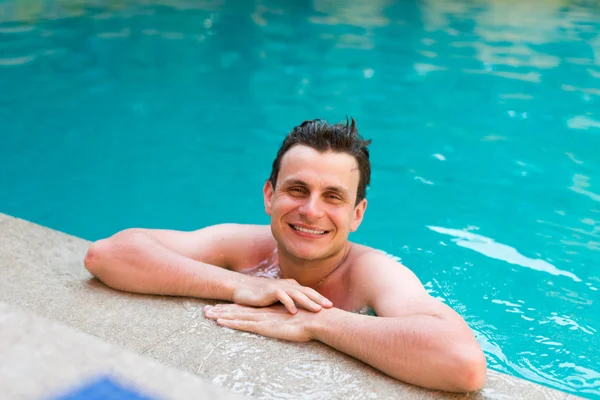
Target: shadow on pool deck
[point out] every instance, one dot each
(61, 327)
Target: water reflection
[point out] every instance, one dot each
(499, 251)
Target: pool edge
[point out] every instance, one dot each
(45, 275)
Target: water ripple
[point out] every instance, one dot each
(499, 251)
(484, 112)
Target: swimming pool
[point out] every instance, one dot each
(484, 119)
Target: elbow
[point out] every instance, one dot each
(97, 252)
(102, 253)
(101, 257)
(470, 371)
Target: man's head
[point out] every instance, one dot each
(316, 192)
(338, 138)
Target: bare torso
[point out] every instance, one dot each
(341, 287)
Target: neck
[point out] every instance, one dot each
(310, 273)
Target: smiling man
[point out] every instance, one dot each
(299, 278)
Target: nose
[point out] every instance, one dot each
(311, 208)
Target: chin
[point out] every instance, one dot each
(302, 251)
(303, 254)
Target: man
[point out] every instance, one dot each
(315, 197)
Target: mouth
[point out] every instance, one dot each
(308, 231)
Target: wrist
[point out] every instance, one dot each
(323, 321)
(245, 285)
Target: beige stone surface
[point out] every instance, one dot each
(256, 366)
(44, 359)
(43, 271)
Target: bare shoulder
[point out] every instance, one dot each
(243, 245)
(228, 245)
(372, 266)
(241, 231)
(380, 278)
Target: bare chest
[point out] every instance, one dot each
(338, 288)
(267, 268)
(344, 295)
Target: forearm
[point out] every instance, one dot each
(417, 349)
(143, 265)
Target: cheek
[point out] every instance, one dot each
(341, 218)
(283, 205)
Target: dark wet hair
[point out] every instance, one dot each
(321, 136)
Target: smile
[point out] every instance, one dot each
(306, 230)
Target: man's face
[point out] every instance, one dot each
(312, 207)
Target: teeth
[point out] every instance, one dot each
(308, 230)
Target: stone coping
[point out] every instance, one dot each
(42, 359)
(42, 273)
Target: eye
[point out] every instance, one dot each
(297, 190)
(334, 197)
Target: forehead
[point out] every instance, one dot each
(327, 168)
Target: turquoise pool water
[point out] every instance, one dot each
(484, 118)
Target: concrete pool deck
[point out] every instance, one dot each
(59, 327)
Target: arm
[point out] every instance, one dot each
(421, 349)
(187, 264)
(415, 338)
(164, 262)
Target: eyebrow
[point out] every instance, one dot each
(300, 182)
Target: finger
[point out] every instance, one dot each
(221, 309)
(221, 306)
(248, 326)
(302, 300)
(317, 297)
(213, 312)
(286, 300)
(230, 307)
(218, 311)
(239, 314)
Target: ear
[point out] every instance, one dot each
(359, 213)
(268, 196)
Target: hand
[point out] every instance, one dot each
(262, 292)
(274, 321)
